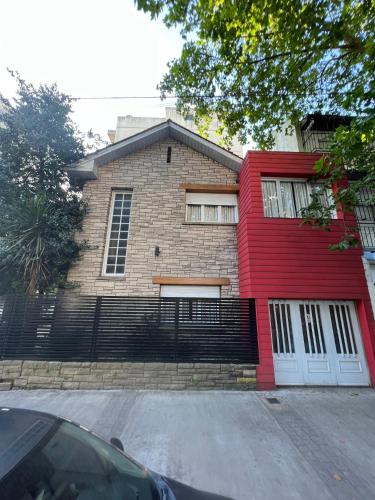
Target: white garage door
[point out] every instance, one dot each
(317, 343)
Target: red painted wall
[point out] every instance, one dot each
(279, 258)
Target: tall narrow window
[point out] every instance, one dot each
(118, 232)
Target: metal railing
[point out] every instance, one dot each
(71, 327)
(367, 232)
(316, 140)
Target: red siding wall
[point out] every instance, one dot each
(279, 258)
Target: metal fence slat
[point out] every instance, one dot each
(67, 327)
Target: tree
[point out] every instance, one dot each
(259, 64)
(40, 208)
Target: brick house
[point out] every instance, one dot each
(164, 221)
(162, 217)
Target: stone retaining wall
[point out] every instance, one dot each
(163, 376)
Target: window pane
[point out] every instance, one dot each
(270, 204)
(211, 213)
(365, 209)
(115, 258)
(301, 196)
(193, 213)
(287, 202)
(228, 214)
(321, 191)
(325, 197)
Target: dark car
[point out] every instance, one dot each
(44, 457)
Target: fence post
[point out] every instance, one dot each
(7, 319)
(253, 329)
(95, 327)
(176, 321)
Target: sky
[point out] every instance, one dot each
(89, 48)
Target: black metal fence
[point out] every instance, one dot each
(71, 327)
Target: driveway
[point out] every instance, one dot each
(316, 444)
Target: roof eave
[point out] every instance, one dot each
(86, 169)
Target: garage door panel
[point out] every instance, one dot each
(317, 343)
(318, 366)
(288, 367)
(350, 359)
(343, 329)
(312, 329)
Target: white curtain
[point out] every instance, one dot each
(287, 203)
(211, 213)
(270, 204)
(194, 213)
(301, 197)
(228, 214)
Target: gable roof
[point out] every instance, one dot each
(86, 168)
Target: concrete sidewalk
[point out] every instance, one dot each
(317, 444)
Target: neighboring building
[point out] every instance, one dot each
(162, 221)
(162, 217)
(312, 135)
(314, 316)
(131, 125)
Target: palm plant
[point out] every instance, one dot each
(40, 206)
(36, 245)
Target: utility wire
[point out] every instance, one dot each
(125, 97)
(94, 98)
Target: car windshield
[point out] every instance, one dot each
(73, 464)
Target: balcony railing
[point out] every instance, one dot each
(316, 141)
(367, 232)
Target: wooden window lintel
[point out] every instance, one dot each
(211, 188)
(170, 280)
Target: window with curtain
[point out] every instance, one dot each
(118, 232)
(286, 198)
(211, 208)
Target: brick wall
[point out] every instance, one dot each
(157, 219)
(151, 376)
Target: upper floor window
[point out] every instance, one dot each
(288, 197)
(365, 209)
(211, 208)
(365, 212)
(117, 235)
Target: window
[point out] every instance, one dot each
(211, 208)
(194, 305)
(118, 233)
(365, 212)
(365, 209)
(286, 198)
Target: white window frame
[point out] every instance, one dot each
(203, 200)
(278, 180)
(108, 235)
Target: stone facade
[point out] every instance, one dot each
(163, 376)
(157, 219)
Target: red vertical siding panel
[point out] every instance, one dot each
(280, 258)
